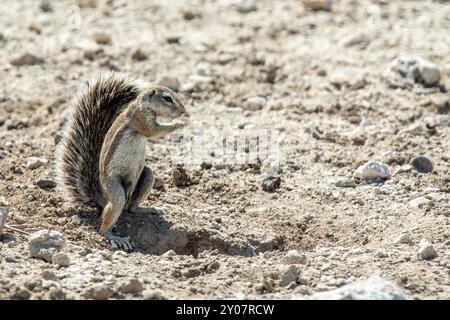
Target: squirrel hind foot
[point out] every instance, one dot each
(117, 242)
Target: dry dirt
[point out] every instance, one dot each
(323, 77)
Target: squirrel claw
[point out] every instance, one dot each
(119, 242)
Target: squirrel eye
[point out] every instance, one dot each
(168, 99)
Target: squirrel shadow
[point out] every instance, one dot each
(154, 234)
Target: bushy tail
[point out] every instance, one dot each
(94, 108)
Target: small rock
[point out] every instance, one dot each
(76, 219)
(289, 276)
(169, 253)
(374, 288)
(49, 275)
(246, 6)
(426, 250)
(45, 182)
(180, 177)
(170, 82)
(347, 183)
(61, 260)
(324, 5)
(153, 295)
(197, 83)
(415, 69)
(294, 257)
(419, 202)
(372, 170)
(422, 164)
(44, 244)
(101, 37)
(358, 39)
(21, 293)
(131, 286)
(45, 6)
(26, 59)
(3, 216)
(270, 183)
(158, 183)
(56, 293)
(98, 292)
(404, 238)
(254, 103)
(138, 55)
(35, 162)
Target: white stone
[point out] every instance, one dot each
(35, 162)
(254, 103)
(294, 257)
(45, 243)
(374, 288)
(419, 202)
(61, 259)
(426, 250)
(404, 238)
(372, 170)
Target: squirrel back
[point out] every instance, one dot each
(94, 109)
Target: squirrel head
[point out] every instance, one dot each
(161, 101)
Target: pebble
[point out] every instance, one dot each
(404, 238)
(49, 275)
(197, 83)
(101, 37)
(180, 177)
(26, 59)
(35, 162)
(426, 250)
(347, 183)
(324, 5)
(419, 202)
(374, 288)
(132, 286)
(169, 253)
(170, 82)
(45, 183)
(289, 276)
(3, 216)
(254, 103)
(56, 293)
(246, 6)
(44, 244)
(294, 257)
(138, 55)
(153, 295)
(416, 69)
(270, 183)
(61, 259)
(372, 170)
(422, 164)
(98, 292)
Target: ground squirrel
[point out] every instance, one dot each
(100, 159)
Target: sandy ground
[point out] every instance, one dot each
(322, 76)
